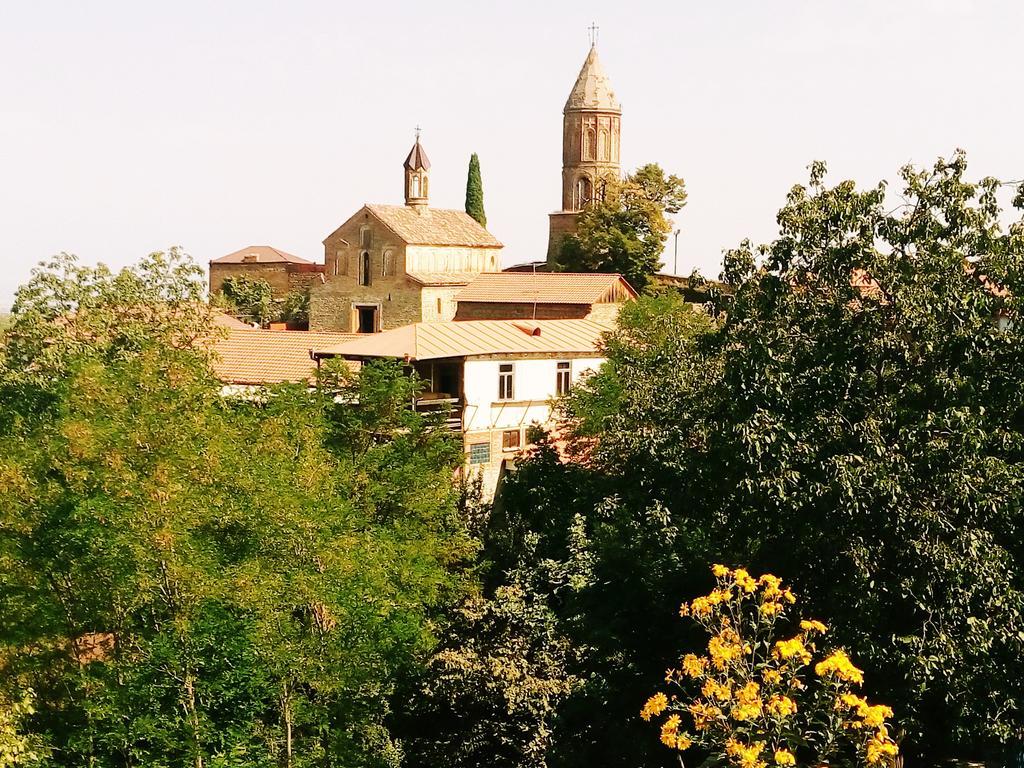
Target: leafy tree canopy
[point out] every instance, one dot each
(625, 231)
(196, 580)
(855, 424)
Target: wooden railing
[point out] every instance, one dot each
(452, 407)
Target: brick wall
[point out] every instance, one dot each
(561, 224)
(282, 277)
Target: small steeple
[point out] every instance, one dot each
(417, 173)
(593, 90)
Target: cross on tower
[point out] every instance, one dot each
(417, 132)
(594, 29)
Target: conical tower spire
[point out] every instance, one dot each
(593, 89)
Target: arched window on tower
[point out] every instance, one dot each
(414, 184)
(602, 145)
(589, 140)
(584, 192)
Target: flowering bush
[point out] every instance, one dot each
(755, 699)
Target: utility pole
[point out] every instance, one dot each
(675, 260)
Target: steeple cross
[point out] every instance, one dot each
(593, 29)
(417, 132)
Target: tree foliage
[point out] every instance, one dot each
(854, 423)
(625, 230)
(475, 192)
(196, 580)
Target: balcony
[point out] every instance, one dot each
(434, 402)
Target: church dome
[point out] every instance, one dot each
(593, 89)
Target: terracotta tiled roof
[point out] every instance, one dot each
(543, 287)
(224, 320)
(260, 254)
(433, 226)
(443, 278)
(432, 341)
(593, 90)
(254, 356)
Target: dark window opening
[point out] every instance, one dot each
(510, 439)
(366, 320)
(364, 271)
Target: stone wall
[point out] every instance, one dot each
(282, 277)
(562, 223)
(439, 302)
(332, 305)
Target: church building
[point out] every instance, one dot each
(391, 265)
(591, 132)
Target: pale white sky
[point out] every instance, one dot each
(129, 126)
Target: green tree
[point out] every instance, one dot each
(853, 424)
(625, 230)
(250, 298)
(475, 192)
(193, 580)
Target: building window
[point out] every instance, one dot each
(367, 318)
(387, 264)
(584, 191)
(511, 440)
(479, 453)
(438, 307)
(365, 237)
(364, 268)
(415, 189)
(602, 145)
(563, 377)
(506, 388)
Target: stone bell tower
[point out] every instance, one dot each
(417, 175)
(591, 130)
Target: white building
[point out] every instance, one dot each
(499, 377)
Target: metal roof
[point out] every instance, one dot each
(465, 338)
(542, 287)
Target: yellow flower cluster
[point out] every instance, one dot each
(703, 714)
(654, 706)
(813, 626)
(716, 690)
(793, 648)
(725, 647)
(839, 666)
(744, 755)
(748, 703)
(881, 750)
(780, 706)
(694, 666)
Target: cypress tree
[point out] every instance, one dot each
(475, 192)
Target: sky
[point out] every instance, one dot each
(128, 127)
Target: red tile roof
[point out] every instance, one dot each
(254, 356)
(433, 226)
(260, 254)
(543, 287)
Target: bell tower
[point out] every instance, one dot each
(417, 175)
(591, 131)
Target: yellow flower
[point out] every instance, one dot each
(700, 606)
(788, 596)
(724, 648)
(784, 757)
(669, 730)
(748, 702)
(813, 626)
(792, 649)
(771, 608)
(781, 706)
(654, 706)
(771, 676)
(771, 584)
(703, 714)
(853, 701)
(684, 610)
(744, 580)
(881, 750)
(838, 665)
(874, 717)
(719, 570)
(715, 690)
(683, 742)
(745, 756)
(694, 666)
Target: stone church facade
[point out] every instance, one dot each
(591, 137)
(392, 265)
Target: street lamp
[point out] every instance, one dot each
(675, 260)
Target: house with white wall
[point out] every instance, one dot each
(497, 377)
